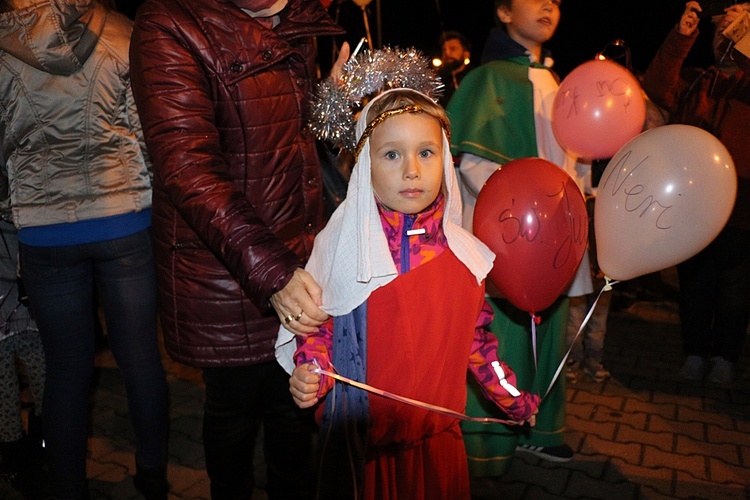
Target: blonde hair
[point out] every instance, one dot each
(406, 97)
(396, 102)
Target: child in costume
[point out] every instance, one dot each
(404, 283)
(501, 113)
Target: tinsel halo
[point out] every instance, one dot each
(335, 106)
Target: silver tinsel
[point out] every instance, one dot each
(335, 107)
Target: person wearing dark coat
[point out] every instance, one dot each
(223, 86)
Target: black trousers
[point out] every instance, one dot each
(238, 399)
(714, 297)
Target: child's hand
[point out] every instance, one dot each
(689, 20)
(524, 409)
(531, 420)
(304, 385)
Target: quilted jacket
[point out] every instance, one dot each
(237, 181)
(68, 123)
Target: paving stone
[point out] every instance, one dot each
(648, 493)
(583, 486)
(696, 430)
(582, 410)
(694, 464)
(716, 434)
(188, 482)
(721, 471)
(745, 456)
(658, 478)
(635, 420)
(666, 410)
(727, 452)
(678, 400)
(98, 468)
(611, 402)
(687, 486)
(662, 440)
(534, 472)
(537, 493)
(493, 488)
(605, 430)
(687, 414)
(736, 411)
(631, 453)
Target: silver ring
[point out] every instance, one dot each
(288, 319)
(297, 317)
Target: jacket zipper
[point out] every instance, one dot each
(405, 250)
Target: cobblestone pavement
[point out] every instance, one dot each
(642, 434)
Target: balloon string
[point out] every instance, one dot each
(533, 338)
(607, 287)
(413, 402)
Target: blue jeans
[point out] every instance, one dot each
(61, 282)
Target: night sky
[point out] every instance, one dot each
(585, 29)
(586, 26)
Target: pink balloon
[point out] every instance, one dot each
(598, 108)
(662, 198)
(531, 213)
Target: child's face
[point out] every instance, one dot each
(406, 153)
(531, 22)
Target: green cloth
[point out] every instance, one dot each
(492, 116)
(490, 447)
(492, 112)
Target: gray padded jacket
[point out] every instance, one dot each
(69, 127)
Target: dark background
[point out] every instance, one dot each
(586, 27)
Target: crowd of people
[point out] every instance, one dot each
(165, 169)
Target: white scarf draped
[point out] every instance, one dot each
(350, 257)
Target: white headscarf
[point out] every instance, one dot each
(350, 257)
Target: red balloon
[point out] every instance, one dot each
(531, 213)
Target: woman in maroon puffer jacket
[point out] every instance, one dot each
(222, 87)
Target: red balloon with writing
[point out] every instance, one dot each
(531, 213)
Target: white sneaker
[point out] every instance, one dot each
(694, 369)
(721, 371)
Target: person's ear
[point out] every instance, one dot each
(503, 13)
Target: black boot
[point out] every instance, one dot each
(30, 476)
(12, 456)
(152, 482)
(36, 436)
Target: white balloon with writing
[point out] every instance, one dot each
(663, 197)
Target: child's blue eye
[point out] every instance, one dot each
(391, 155)
(426, 153)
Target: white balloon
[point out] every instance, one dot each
(664, 196)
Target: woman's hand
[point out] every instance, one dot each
(298, 304)
(689, 21)
(304, 385)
